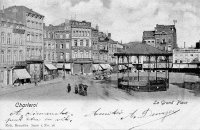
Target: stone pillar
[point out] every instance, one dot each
(11, 77)
(5, 77)
(72, 68)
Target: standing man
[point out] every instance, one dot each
(68, 88)
(35, 79)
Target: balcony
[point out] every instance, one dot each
(103, 50)
(35, 58)
(82, 60)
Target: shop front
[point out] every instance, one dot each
(35, 69)
(82, 66)
(63, 69)
(20, 74)
(50, 71)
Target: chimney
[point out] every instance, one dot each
(67, 21)
(109, 35)
(97, 27)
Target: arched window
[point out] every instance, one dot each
(8, 38)
(2, 37)
(20, 55)
(2, 56)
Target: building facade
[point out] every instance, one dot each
(186, 55)
(95, 39)
(50, 57)
(33, 23)
(81, 47)
(186, 58)
(163, 37)
(149, 38)
(61, 35)
(12, 47)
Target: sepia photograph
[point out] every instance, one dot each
(100, 64)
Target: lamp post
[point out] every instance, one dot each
(64, 69)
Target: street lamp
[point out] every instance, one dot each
(64, 68)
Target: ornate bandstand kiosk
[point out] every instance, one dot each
(150, 77)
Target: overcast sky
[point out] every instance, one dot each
(125, 19)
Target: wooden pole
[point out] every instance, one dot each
(128, 70)
(138, 68)
(149, 72)
(156, 68)
(168, 71)
(118, 71)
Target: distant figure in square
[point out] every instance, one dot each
(85, 89)
(76, 89)
(35, 79)
(68, 88)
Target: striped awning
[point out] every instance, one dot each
(21, 74)
(96, 67)
(50, 66)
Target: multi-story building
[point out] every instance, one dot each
(149, 38)
(112, 48)
(186, 55)
(163, 37)
(186, 58)
(50, 58)
(103, 47)
(95, 50)
(107, 47)
(81, 46)
(33, 22)
(61, 35)
(12, 47)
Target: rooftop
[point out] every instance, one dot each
(141, 49)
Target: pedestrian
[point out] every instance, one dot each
(80, 89)
(85, 89)
(76, 89)
(68, 88)
(35, 79)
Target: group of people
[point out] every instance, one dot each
(78, 89)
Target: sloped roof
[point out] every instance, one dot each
(144, 49)
(6, 18)
(148, 34)
(26, 9)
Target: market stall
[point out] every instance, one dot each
(143, 81)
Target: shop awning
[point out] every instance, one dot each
(22, 74)
(50, 66)
(106, 66)
(67, 66)
(96, 67)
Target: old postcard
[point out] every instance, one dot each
(100, 64)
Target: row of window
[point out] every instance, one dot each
(81, 42)
(186, 54)
(61, 46)
(79, 54)
(11, 39)
(10, 57)
(34, 24)
(67, 56)
(33, 52)
(11, 25)
(50, 56)
(163, 40)
(80, 33)
(49, 45)
(57, 35)
(182, 60)
(34, 37)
